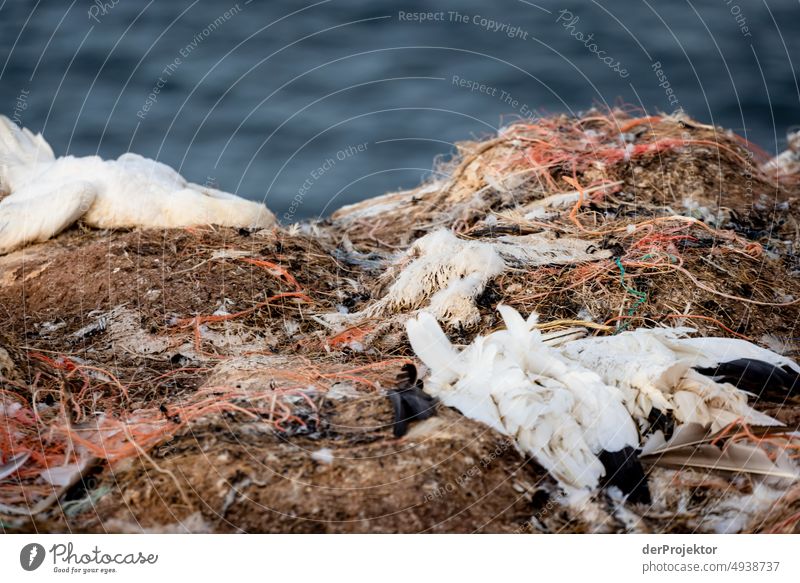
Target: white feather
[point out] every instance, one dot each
(432, 346)
(20, 150)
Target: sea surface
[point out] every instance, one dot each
(310, 106)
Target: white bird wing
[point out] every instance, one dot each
(474, 393)
(519, 338)
(556, 410)
(712, 403)
(563, 414)
(212, 192)
(40, 211)
(21, 152)
(654, 368)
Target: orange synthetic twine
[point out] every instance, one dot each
(583, 274)
(113, 433)
(168, 375)
(197, 321)
(713, 291)
(749, 248)
(281, 274)
(657, 251)
(552, 147)
(71, 368)
(775, 442)
(606, 179)
(53, 439)
(573, 213)
(354, 334)
(348, 374)
(225, 317)
(650, 120)
(276, 270)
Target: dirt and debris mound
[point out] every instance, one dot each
(215, 380)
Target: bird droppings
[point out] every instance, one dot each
(219, 373)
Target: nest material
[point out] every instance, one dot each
(194, 376)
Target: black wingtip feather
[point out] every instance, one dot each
(757, 377)
(624, 470)
(409, 401)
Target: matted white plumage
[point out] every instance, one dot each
(449, 273)
(660, 368)
(557, 411)
(567, 402)
(46, 194)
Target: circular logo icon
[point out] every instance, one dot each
(31, 556)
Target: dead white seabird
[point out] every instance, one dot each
(559, 412)
(46, 194)
(578, 405)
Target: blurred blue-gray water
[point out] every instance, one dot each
(312, 106)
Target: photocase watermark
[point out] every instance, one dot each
(315, 175)
(474, 471)
(100, 9)
(502, 95)
(738, 15)
(496, 26)
(569, 21)
(422, 16)
(65, 559)
(172, 68)
(664, 83)
(152, 97)
(31, 556)
(20, 105)
(749, 171)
